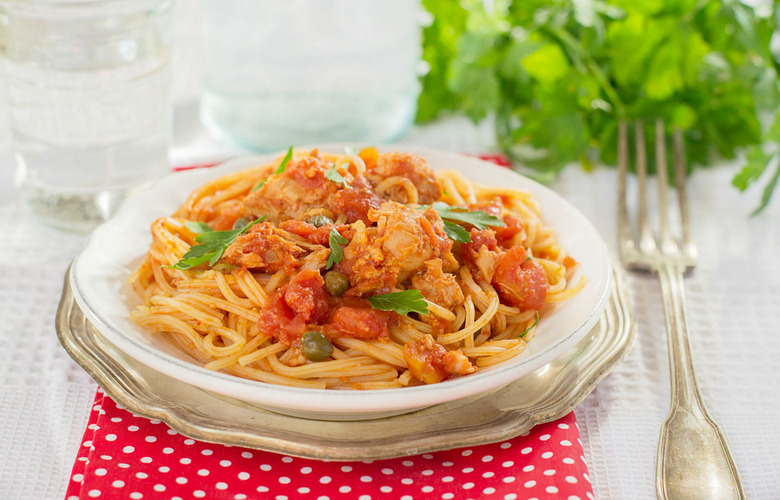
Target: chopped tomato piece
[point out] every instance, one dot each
(306, 295)
(279, 321)
(520, 281)
(430, 363)
(359, 320)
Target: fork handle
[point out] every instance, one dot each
(694, 461)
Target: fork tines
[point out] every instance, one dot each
(646, 250)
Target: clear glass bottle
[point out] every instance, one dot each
(282, 72)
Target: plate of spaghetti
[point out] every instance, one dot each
(345, 283)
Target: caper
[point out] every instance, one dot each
(241, 222)
(320, 220)
(336, 283)
(316, 346)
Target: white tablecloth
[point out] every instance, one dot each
(734, 322)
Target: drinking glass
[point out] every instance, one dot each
(278, 73)
(87, 85)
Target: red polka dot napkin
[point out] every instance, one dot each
(124, 456)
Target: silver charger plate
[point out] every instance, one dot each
(546, 394)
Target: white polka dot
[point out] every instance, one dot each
(407, 463)
(132, 428)
(101, 472)
(466, 453)
(224, 463)
(96, 407)
(466, 470)
(387, 471)
(123, 466)
(565, 442)
(385, 489)
(167, 451)
(426, 489)
(406, 480)
(325, 479)
(164, 469)
(146, 460)
(568, 460)
(571, 479)
(189, 442)
(247, 454)
(529, 484)
(509, 479)
(345, 489)
(448, 496)
(159, 487)
(304, 489)
(528, 468)
(563, 426)
(265, 467)
(203, 472)
(240, 496)
(128, 449)
(508, 463)
(171, 432)
(221, 486)
(526, 450)
(364, 497)
(206, 452)
(447, 479)
(587, 478)
(285, 480)
(487, 458)
(150, 439)
(346, 468)
(136, 496)
(243, 476)
(185, 461)
(116, 419)
(262, 489)
(549, 472)
(181, 480)
(118, 483)
(506, 445)
(87, 444)
(447, 464)
(468, 486)
(588, 493)
(366, 479)
(199, 493)
(488, 474)
(306, 470)
(110, 437)
(510, 496)
(106, 457)
(141, 475)
(489, 491)
(427, 472)
(544, 437)
(573, 497)
(287, 460)
(547, 454)
(551, 489)
(407, 497)
(94, 493)
(427, 456)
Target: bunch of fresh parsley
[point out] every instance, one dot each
(557, 76)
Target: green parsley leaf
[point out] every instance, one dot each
(530, 327)
(401, 302)
(477, 218)
(335, 240)
(198, 227)
(212, 244)
(281, 168)
(333, 175)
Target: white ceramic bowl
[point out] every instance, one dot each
(99, 278)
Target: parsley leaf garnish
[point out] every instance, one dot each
(333, 175)
(401, 302)
(530, 327)
(212, 244)
(477, 218)
(281, 168)
(335, 240)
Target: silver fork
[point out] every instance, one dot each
(693, 461)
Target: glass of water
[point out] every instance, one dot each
(87, 85)
(300, 72)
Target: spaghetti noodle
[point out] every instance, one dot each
(354, 271)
